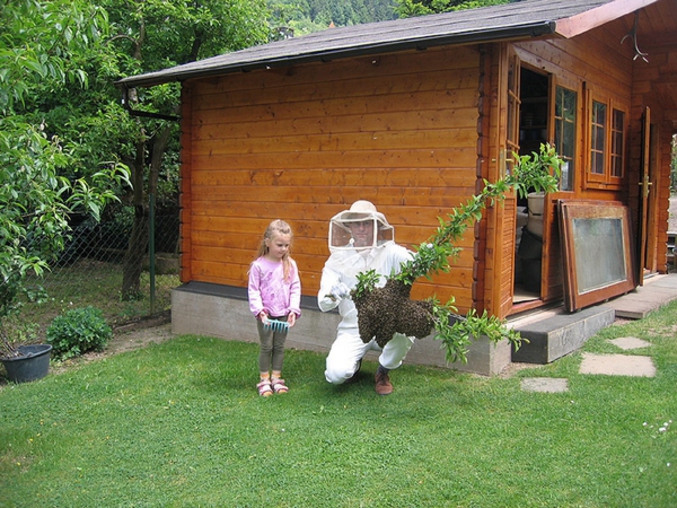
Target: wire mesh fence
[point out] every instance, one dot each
(91, 270)
(92, 245)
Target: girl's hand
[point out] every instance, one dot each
(291, 319)
(263, 317)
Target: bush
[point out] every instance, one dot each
(77, 332)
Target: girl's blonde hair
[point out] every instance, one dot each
(279, 227)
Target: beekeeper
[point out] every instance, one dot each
(360, 239)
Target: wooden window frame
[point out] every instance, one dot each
(512, 114)
(588, 253)
(612, 156)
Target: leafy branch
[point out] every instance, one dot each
(531, 174)
(538, 172)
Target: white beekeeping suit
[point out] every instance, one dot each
(360, 239)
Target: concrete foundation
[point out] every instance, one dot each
(216, 311)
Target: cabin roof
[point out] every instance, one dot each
(518, 20)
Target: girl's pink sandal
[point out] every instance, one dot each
(264, 388)
(279, 386)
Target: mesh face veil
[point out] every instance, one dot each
(361, 227)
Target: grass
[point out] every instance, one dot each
(180, 424)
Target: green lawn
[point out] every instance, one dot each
(180, 424)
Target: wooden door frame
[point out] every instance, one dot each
(647, 254)
(505, 216)
(654, 177)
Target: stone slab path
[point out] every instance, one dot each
(617, 365)
(656, 292)
(629, 343)
(600, 364)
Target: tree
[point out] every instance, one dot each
(157, 34)
(59, 60)
(37, 52)
(411, 8)
(95, 45)
(300, 17)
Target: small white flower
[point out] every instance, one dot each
(645, 424)
(662, 429)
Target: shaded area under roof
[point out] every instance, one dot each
(524, 19)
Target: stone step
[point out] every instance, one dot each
(554, 334)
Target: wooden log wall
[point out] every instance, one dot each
(654, 83)
(303, 143)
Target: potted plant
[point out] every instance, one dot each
(35, 205)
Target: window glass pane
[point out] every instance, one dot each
(513, 108)
(619, 119)
(598, 163)
(598, 239)
(599, 139)
(598, 136)
(565, 133)
(617, 143)
(599, 112)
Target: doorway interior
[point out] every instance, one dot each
(533, 130)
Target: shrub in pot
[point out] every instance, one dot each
(35, 205)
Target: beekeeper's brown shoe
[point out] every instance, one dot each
(383, 384)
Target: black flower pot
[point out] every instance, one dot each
(31, 364)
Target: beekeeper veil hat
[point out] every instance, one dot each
(361, 212)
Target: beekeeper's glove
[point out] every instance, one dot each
(339, 291)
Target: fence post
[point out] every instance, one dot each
(151, 252)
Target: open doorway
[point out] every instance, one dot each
(533, 130)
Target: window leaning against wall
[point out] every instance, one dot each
(606, 141)
(566, 102)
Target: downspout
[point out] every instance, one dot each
(151, 233)
(127, 105)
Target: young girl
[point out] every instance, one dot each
(274, 292)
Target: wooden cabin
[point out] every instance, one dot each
(413, 115)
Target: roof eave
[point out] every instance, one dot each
(586, 21)
(519, 32)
